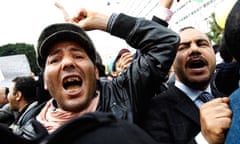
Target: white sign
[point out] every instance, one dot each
(11, 67)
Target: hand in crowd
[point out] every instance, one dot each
(215, 118)
(86, 19)
(166, 3)
(124, 61)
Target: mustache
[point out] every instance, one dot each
(196, 58)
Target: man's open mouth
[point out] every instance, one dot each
(73, 82)
(196, 63)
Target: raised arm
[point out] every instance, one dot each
(156, 49)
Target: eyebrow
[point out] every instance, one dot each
(76, 49)
(184, 43)
(54, 52)
(196, 40)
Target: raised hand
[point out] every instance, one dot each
(64, 12)
(86, 19)
(124, 61)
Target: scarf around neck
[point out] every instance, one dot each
(52, 118)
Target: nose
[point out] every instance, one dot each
(194, 47)
(67, 63)
(194, 50)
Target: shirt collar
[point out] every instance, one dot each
(191, 93)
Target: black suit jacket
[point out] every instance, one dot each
(173, 117)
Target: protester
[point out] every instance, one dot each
(173, 117)
(227, 72)
(22, 92)
(22, 98)
(122, 61)
(3, 96)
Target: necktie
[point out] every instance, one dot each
(205, 97)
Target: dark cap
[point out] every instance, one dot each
(122, 51)
(59, 32)
(232, 31)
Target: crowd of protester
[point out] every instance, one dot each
(170, 91)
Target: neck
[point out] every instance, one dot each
(22, 106)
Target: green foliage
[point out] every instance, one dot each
(215, 33)
(22, 48)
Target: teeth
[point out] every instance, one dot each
(72, 79)
(72, 83)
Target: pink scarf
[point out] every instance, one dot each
(52, 119)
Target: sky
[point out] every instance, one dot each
(23, 20)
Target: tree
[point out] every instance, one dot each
(215, 33)
(22, 48)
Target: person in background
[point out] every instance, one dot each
(122, 61)
(173, 117)
(7, 116)
(22, 98)
(227, 72)
(3, 96)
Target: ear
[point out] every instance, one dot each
(97, 73)
(45, 86)
(18, 95)
(44, 82)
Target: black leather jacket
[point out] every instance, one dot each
(127, 95)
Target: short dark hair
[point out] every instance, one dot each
(185, 28)
(100, 65)
(232, 31)
(27, 86)
(191, 27)
(224, 51)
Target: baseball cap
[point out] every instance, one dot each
(59, 32)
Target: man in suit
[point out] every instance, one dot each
(173, 116)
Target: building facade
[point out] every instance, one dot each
(186, 12)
